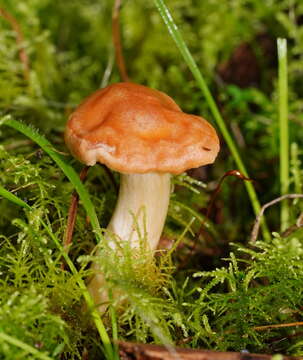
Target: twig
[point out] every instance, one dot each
(255, 230)
(294, 227)
(131, 351)
(19, 39)
(235, 173)
(117, 40)
(278, 326)
(73, 208)
(72, 212)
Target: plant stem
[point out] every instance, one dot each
(19, 40)
(277, 326)
(176, 35)
(255, 230)
(117, 40)
(283, 127)
(72, 213)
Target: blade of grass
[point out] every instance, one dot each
(177, 37)
(63, 165)
(109, 352)
(283, 130)
(114, 323)
(25, 347)
(13, 198)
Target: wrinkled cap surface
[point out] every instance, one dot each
(134, 129)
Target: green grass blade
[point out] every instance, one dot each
(114, 323)
(111, 355)
(63, 165)
(13, 198)
(283, 130)
(20, 344)
(176, 35)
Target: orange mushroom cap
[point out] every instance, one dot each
(134, 129)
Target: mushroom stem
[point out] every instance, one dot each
(141, 208)
(139, 215)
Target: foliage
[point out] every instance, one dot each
(195, 292)
(264, 291)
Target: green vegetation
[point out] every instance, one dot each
(208, 287)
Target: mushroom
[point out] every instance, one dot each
(143, 134)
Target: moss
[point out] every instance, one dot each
(204, 292)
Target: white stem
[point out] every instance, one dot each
(141, 208)
(139, 215)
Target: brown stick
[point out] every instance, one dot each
(235, 173)
(130, 351)
(19, 39)
(255, 230)
(294, 227)
(72, 212)
(278, 326)
(117, 40)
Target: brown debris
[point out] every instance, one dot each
(131, 351)
(242, 68)
(248, 61)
